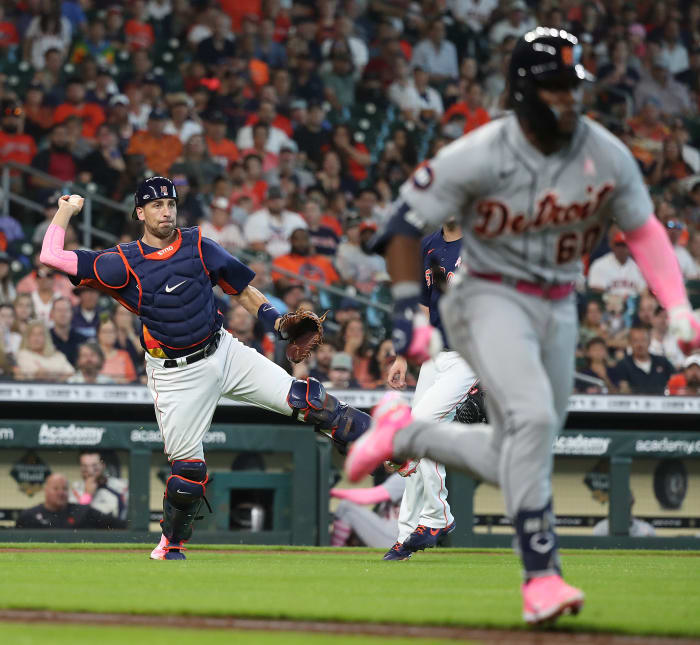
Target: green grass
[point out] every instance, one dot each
(627, 592)
(23, 634)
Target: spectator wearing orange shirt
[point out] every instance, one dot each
(687, 382)
(647, 124)
(471, 107)
(139, 33)
(91, 114)
(221, 148)
(159, 149)
(118, 364)
(303, 261)
(14, 144)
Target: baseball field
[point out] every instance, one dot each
(114, 594)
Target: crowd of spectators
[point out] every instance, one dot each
(287, 128)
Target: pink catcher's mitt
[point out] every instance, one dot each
(304, 331)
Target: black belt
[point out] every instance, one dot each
(207, 350)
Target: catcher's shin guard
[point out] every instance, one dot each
(184, 492)
(311, 403)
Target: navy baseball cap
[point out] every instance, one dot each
(151, 189)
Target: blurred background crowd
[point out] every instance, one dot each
(288, 128)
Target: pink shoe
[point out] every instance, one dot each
(167, 550)
(389, 416)
(159, 552)
(545, 599)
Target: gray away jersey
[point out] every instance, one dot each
(526, 215)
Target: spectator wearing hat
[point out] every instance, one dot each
(75, 104)
(641, 372)
(105, 164)
(118, 118)
(38, 359)
(672, 96)
(355, 264)
(159, 149)
(616, 272)
(86, 314)
(222, 150)
(180, 123)
(65, 339)
(313, 135)
(221, 227)
(675, 228)
(340, 375)
(303, 261)
(323, 238)
(517, 22)
(56, 160)
(662, 342)
(270, 228)
(15, 145)
(436, 55)
(687, 382)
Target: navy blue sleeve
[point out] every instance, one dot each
(106, 266)
(228, 272)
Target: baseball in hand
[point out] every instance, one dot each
(76, 201)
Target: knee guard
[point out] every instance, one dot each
(184, 492)
(311, 403)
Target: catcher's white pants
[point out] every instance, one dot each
(185, 397)
(442, 385)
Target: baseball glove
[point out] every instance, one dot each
(473, 408)
(303, 330)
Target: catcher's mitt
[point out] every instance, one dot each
(304, 331)
(473, 408)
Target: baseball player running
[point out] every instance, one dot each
(535, 189)
(166, 278)
(443, 383)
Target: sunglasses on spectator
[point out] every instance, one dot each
(673, 224)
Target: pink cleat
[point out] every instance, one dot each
(389, 416)
(168, 551)
(545, 599)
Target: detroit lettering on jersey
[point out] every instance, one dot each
(524, 214)
(435, 250)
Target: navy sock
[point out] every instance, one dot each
(537, 542)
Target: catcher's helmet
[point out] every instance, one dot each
(543, 58)
(151, 189)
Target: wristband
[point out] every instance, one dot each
(268, 316)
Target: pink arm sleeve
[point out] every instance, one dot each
(53, 254)
(362, 495)
(653, 253)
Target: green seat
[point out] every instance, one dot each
(693, 289)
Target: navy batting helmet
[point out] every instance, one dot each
(543, 58)
(151, 189)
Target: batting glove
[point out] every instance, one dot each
(684, 325)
